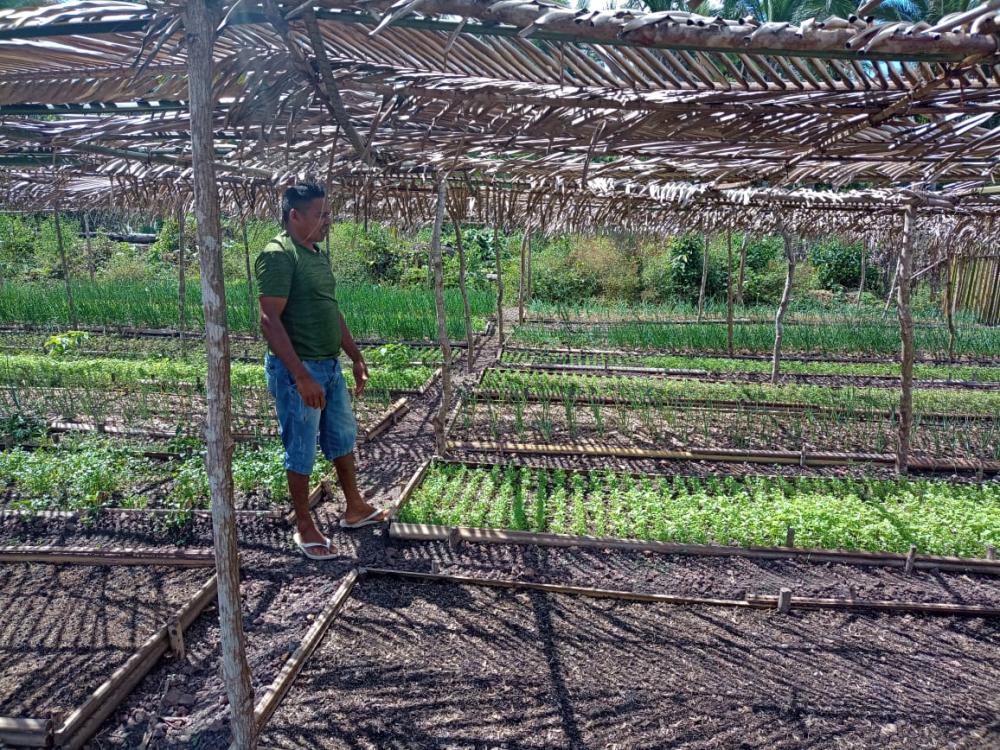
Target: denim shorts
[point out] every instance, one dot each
(301, 426)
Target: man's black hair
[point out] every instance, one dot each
(299, 196)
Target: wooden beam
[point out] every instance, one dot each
(108, 556)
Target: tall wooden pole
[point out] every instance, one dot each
(251, 303)
(65, 269)
(729, 292)
(201, 19)
(466, 314)
(704, 278)
(181, 268)
(437, 269)
(499, 263)
(779, 318)
(91, 264)
(905, 270)
(527, 270)
(743, 269)
(864, 268)
(521, 279)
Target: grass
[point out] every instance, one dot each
(517, 384)
(726, 366)
(370, 311)
(865, 338)
(873, 515)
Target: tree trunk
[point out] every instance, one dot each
(743, 269)
(892, 288)
(499, 263)
(65, 269)
(437, 267)
(779, 318)
(729, 292)
(201, 19)
(251, 303)
(905, 270)
(521, 279)
(181, 266)
(528, 283)
(704, 278)
(466, 315)
(91, 264)
(864, 268)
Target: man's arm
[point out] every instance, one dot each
(277, 338)
(351, 349)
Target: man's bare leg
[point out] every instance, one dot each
(298, 487)
(347, 475)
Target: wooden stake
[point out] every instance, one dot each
(785, 601)
(991, 552)
(743, 269)
(729, 292)
(437, 268)
(175, 634)
(499, 264)
(466, 315)
(789, 537)
(181, 276)
(201, 18)
(704, 278)
(861, 286)
(786, 296)
(905, 271)
(911, 558)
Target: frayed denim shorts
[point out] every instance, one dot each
(333, 427)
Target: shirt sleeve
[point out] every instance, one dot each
(274, 269)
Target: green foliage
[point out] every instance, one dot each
(59, 344)
(838, 265)
(873, 515)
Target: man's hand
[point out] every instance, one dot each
(311, 392)
(360, 377)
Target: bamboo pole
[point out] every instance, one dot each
(91, 264)
(864, 268)
(743, 269)
(107, 556)
(528, 282)
(704, 277)
(251, 303)
(949, 304)
(779, 318)
(729, 291)
(499, 264)
(437, 268)
(520, 280)
(201, 18)
(905, 270)
(65, 268)
(181, 265)
(466, 315)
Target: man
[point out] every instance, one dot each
(305, 332)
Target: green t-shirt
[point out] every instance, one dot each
(303, 277)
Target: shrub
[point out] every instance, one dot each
(838, 265)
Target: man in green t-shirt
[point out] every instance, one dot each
(305, 332)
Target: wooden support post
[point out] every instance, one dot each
(521, 275)
(991, 552)
(251, 302)
(743, 269)
(499, 264)
(201, 18)
(527, 270)
(949, 303)
(911, 558)
(905, 271)
(181, 266)
(729, 292)
(470, 349)
(704, 277)
(786, 296)
(91, 263)
(65, 268)
(785, 601)
(437, 267)
(864, 268)
(790, 537)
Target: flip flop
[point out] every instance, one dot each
(368, 520)
(306, 546)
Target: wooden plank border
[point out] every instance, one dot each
(388, 418)
(108, 556)
(81, 724)
(23, 732)
(411, 485)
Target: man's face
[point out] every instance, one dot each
(312, 222)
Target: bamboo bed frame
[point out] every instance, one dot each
(988, 565)
(73, 730)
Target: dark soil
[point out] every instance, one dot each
(66, 628)
(444, 666)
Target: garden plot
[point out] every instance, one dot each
(939, 518)
(95, 473)
(68, 628)
(884, 374)
(434, 665)
(859, 338)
